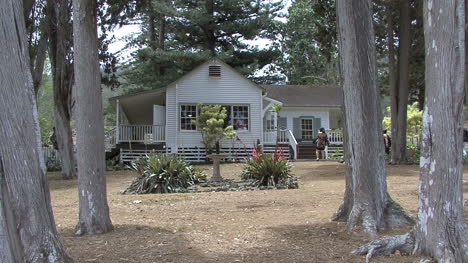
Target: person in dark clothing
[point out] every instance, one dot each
(387, 142)
(53, 139)
(321, 143)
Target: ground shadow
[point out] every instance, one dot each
(318, 243)
(132, 243)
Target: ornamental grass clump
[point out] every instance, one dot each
(268, 169)
(161, 173)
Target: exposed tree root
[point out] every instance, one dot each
(387, 245)
(341, 214)
(393, 215)
(408, 244)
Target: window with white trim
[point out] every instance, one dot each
(188, 117)
(240, 117)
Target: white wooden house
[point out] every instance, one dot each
(161, 119)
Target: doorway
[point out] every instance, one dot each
(307, 129)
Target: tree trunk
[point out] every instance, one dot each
(392, 72)
(466, 53)
(94, 211)
(399, 139)
(210, 28)
(27, 227)
(62, 71)
(63, 132)
(371, 206)
(440, 231)
(441, 223)
(37, 58)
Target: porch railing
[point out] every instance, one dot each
(292, 142)
(109, 137)
(142, 133)
(335, 136)
(272, 136)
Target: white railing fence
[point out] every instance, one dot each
(292, 142)
(335, 136)
(271, 136)
(142, 133)
(109, 138)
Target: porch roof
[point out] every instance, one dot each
(305, 95)
(138, 108)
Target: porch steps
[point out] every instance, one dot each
(306, 151)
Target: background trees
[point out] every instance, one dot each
(178, 35)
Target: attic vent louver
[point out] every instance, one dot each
(214, 71)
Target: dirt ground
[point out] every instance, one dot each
(255, 226)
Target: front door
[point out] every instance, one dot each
(307, 129)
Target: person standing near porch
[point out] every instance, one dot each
(387, 142)
(321, 143)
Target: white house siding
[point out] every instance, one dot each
(197, 87)
(296, 112)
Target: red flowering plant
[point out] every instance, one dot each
(268, 169)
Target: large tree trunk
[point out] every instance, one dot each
(440, 231)
(38, 51)
(370, 206)
(210, 27)
(392, 72)
(399, 138)
(441, 222)
(27, 227)
(94, 211)
(62, 71)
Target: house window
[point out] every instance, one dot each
(188, 117)
(240, 117)
(214, 71)
(307, 129)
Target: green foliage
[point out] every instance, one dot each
(414, 121)
(268, 169)
(276, 108)
(161, 173)
(193, 32)
(413, 153)
(310, 42)
(210, 123)
(45, 106)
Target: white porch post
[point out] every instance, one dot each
(117, 122)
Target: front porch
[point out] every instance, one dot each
(134, 141)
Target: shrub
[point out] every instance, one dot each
(161, 173)
(413, 153)
(268, 169)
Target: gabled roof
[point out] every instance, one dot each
(305, 95)
(210, 61)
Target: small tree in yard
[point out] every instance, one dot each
(441, 231)
(210, 123)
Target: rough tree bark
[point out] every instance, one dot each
(400, 98)
(440, 231)
(367, 202)
(392, 72)
(62, 72)
(38, 47)
(27, 227)
(94, 211)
